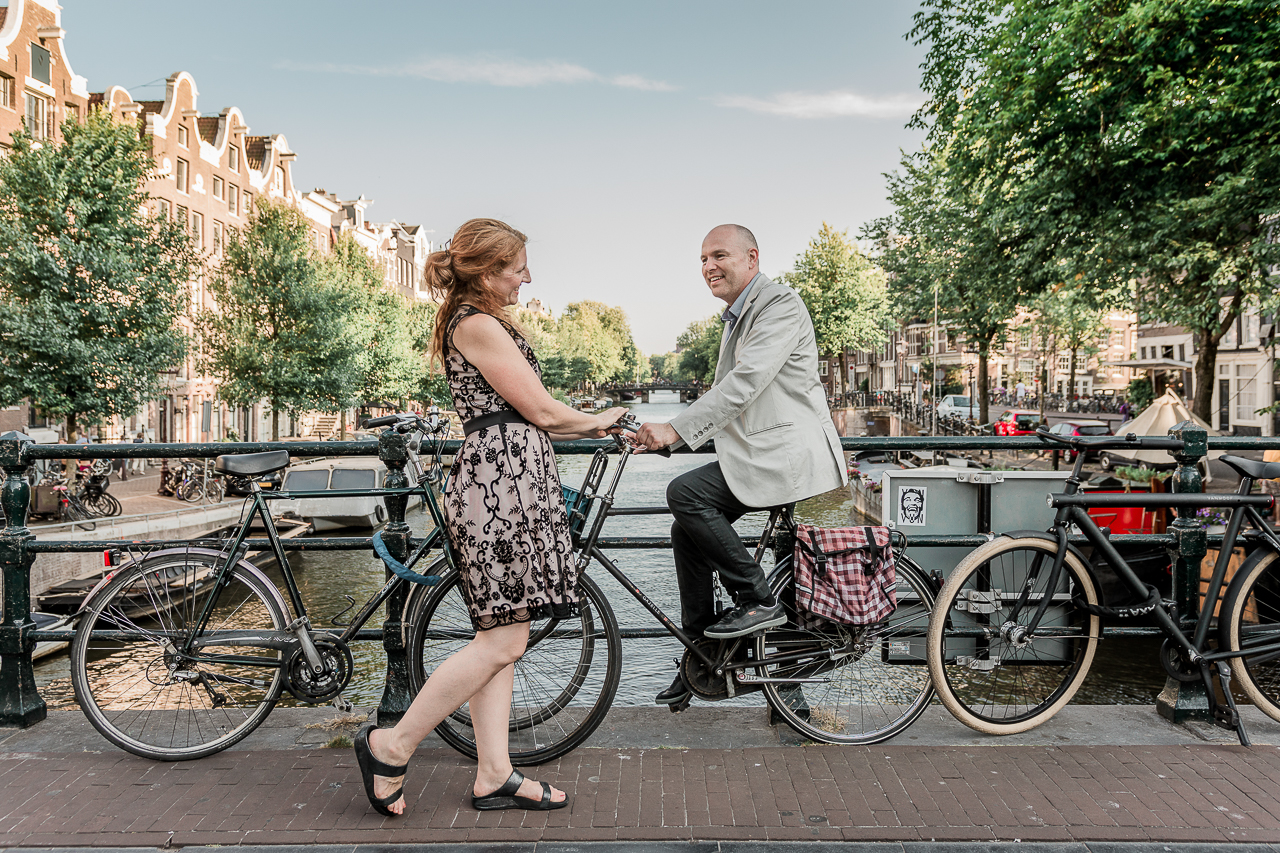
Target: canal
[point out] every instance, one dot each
(1125, 671)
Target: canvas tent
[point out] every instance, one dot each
(1157, 419)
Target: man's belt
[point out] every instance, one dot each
(507, 416)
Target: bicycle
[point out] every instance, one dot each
(196, 484)
(1015, 626)
(183, 652)
(833, 684)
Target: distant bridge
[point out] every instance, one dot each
(688, 391)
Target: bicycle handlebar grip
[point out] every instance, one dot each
(385, 420)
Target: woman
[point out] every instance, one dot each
(505, 513)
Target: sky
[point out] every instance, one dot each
(614, 134)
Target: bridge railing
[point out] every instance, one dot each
(21, 704)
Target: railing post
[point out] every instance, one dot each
(20, 702)
(396, 695)
(1182, 701)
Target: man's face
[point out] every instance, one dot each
(912, 504)
(728, 265)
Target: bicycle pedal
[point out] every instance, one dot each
(343, 704)
(677, 707)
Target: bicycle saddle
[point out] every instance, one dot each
(251, 464)
(1253, 469)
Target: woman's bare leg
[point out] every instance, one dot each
(490, 718)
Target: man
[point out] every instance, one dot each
(1020, 391)
(775, 442)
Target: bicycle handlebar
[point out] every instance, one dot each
(1112, 442)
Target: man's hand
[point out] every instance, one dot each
(655, 437)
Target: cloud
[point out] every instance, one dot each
(825, 105)
(485, 70)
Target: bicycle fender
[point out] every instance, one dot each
(1053, 540)
(244, 565)
(1231, 590)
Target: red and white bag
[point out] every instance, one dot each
(845, 574)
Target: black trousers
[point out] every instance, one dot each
(705, 542)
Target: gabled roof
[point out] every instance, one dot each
(152, 107)
(255, 149)
(208, 128)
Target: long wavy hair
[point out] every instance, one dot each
(455, 274)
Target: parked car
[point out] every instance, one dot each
(956, 405)
(1084, 427)
(1018, 422)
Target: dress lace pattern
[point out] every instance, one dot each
(504, 508)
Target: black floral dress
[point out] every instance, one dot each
(504, 508)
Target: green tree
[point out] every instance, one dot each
(1075, 324)
(845, 293)
(91, 287)
(283, 329)
(1125, 142)
(663, 367)
(699, 346)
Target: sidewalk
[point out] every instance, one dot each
(1092, 774)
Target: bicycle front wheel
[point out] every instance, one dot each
(1249, 623)
(853, 683)
(137, 687)
(564, 683)
(989, 671)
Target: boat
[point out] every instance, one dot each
(51, 622)
(866, 471)
(337, 474)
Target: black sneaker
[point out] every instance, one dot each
(747, 619)
(676, 693)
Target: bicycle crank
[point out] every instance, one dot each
(335, 673)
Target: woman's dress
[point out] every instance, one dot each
(504, 508)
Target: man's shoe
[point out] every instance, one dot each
(747, 619)
(676, 693)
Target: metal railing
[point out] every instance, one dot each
(21, 704)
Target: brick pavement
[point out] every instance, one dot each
(1180, 793)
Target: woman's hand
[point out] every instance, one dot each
(607, 422)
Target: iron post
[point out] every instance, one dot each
(1182, 701)
(20, 702)
(393, 450)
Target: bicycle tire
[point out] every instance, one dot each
(877, 681)
(564, 683)
(133, 688)
(993, 682)
(1250, 614)
(188, 490)
(213, 491)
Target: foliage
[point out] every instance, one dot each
(590, 343)
(663, 367)
(699, 346)
(284, 328)
(1139, 395)
(1120, 142)
(845, 293)
(91, 287)
(1069, 315)
(1141, 474)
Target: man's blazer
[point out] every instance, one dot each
(767, 410)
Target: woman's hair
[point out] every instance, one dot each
(455, 274)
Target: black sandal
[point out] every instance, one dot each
(505, 797)
(371, 766)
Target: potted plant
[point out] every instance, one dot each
(1214, 520)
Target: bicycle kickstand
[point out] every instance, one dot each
(1229, 716)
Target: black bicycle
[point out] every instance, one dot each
(1017, 623)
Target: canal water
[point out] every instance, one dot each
(1124, 672)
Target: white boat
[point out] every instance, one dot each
(51, 622)
(337, 474)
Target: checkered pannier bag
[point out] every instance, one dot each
(844, 574)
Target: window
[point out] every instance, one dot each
(73, 113)
(233, 199)
(180, 175)
(233, 158)
(182, 216)
(41, 65)
(182, 135)
(1182, 352)
(197, 229)
(6, 91)
(248, 204)
(219, 189)
(1143, 352)
(1167, 352)
(822, 368)
(277, 181)
(1245, 393)
(39, 120)
(217, 237)
(163, 209)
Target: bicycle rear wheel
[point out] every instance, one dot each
(564, 683)
(146, 697)
(871, 681)
(1248, 622)
(987, 672)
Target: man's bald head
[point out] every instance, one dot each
(742, 236)
(730, 260)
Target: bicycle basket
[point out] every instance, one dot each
(578, 505)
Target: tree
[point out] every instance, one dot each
(1124, 141)
(91, 287)
(845, 293)
(283, 329)
(699, 346)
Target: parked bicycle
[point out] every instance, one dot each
(1017, 622)
(832, 683)
(196, 483)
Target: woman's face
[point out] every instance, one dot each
(506, 284)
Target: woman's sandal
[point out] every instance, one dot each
(505, 797)
(371, 766)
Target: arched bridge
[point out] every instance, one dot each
(688, 391)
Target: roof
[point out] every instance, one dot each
(1152, 363)
(3, 11)
(255, 150)
(207, 126)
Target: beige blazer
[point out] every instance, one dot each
(767, 410)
